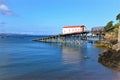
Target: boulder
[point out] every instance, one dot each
(119, 34)
(111, 59)
(116, 47)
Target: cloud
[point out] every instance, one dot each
(5, 10)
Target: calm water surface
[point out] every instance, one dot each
(23, 59)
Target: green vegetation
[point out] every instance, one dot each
(112, 30)
(101, 44)
(118, 17)
(109, 25)
(111, 57)
(111, 34)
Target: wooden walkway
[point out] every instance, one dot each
(65, 38)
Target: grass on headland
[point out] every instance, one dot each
(101, 44)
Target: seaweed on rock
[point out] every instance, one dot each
(111, 59)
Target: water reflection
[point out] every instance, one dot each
(72, 53)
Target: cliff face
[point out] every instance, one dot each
(111, 57)
(110, 38)
(117, 46)
(113, 37)
(119, 34)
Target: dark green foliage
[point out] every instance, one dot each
(109, 25)
(111, 57)
(118, 17)
(116, 25)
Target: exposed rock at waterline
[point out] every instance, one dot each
(111, 59)
(116, 47)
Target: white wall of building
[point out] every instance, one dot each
(73, 30)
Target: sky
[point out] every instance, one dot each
(49, 16)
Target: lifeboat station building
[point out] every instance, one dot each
(73, 29)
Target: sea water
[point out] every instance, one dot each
(24, 59)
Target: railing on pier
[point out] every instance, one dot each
(73, 38)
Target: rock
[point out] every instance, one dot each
(86, 57)
(119, 34)
(116, 47)
(111, 59)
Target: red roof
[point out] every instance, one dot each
(73, 26)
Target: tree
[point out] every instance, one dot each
(118, 17)
(109, 25)
(116, 32)
(116, 25)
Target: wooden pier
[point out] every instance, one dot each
(75, 35)
(73, 38)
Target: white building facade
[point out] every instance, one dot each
(73, 29)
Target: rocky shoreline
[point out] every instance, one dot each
(116, 46)
(111, 57)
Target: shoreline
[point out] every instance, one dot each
(111, 56)
(111, 59)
